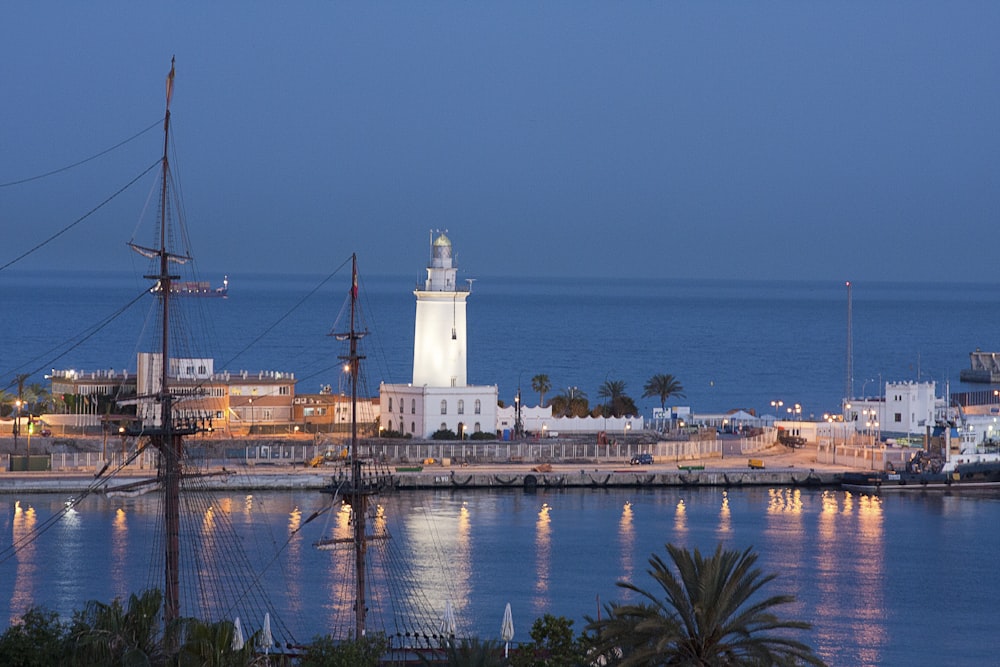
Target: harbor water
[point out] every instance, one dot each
(884, 581)
(896, 580)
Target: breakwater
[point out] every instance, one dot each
(441, 478)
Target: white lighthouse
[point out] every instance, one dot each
(439, 398)
(439, 342)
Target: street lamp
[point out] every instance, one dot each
(777, 408)
(628, 427)
(517, 414)
(250, 430)
(17, 421)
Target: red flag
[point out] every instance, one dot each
(170, 83)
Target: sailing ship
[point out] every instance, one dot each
(162, 424)
(357, 487)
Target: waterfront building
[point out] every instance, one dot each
(903, 409)
(330, 412)
(231, 402)
(439, 397)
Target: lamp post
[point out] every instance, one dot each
(250, 429)
(628, 427)
(17, 421)
(517, 414)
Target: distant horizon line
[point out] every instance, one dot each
(520, 278)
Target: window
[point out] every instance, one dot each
(284, 390)
(413, 427)
(390, 404)
(477, 428)
(444, 406)
(461, 406)
(444, 427)
(401, 402)
(898, 417)
(413, 406)
(479, 406)
(202, 370)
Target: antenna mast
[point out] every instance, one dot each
(849, 381)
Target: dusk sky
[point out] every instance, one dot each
(665, 140)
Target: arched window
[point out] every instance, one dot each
(477, 428)
(461, 406)
(444, 427)
(401, 426)
(444, 406)
(413, 427)
(390, 404)
(413, 406)
(401, 402)
(479, 406)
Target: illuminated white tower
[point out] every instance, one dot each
(439, 397)
(439, 341)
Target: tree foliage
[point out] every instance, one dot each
(552, 645)
(663, 386)
(39, 639)
(571, 402)
(707, 615)
(616, 402)
(542, 385)
(325, 651)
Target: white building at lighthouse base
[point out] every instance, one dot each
(423, 411)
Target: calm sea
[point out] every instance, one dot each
(731, 344)
(892, 581)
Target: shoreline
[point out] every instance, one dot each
(781, 467)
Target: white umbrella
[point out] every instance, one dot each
(448, 620)
(237, 634)
(507, 629)
(265, 635)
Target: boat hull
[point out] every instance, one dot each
(967, 477)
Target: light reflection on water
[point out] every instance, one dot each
(548, 553)
(119, 554)
(543, 559)
(626, 542)
(27, 568)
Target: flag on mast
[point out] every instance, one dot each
(170, 82)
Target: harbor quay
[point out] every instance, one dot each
(265, 464)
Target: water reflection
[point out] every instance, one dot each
(543, 556)
(680, 517)
(626, 540)
(725, 517)
(293, 559)
(27, 567)
(119, 554)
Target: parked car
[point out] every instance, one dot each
(642, 460)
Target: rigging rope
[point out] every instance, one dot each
(157, 123)
(86, 215)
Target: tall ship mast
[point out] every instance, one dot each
(166, 436)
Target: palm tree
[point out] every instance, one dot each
(617, 402)
(541, 384)
(472, 652)
(663, 385)
(105, 634)
(706, 616)
(572, 402)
